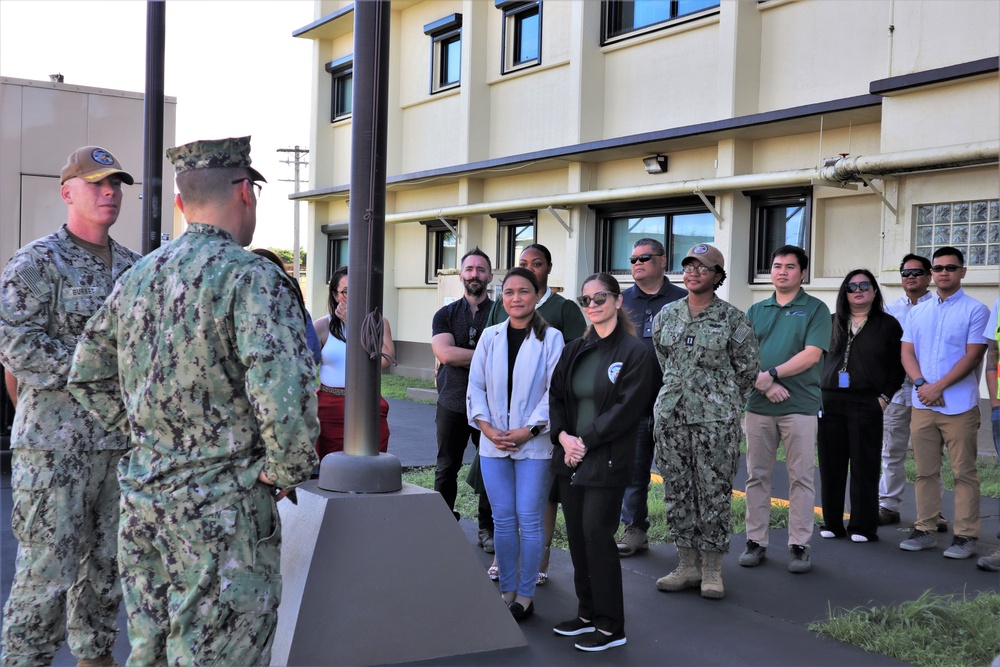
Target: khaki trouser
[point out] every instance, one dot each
(798, 435)
(928, 429)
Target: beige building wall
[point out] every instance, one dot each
(41, 123)
(760, 92)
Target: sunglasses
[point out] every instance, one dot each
(950, 268)
(912, 273)
(642, 258)
(703, 270)
(598, 299)
(863, 286)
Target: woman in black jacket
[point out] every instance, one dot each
(860, 373)
(598, 391)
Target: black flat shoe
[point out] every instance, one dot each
(520, 613)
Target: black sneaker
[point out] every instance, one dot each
(752, 555)
(799, 562)
(574, 627)
(598, 641)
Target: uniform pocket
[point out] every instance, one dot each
(34, 513)
(247, 592)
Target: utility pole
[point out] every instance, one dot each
(297, 161)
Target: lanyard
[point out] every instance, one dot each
(850, 339)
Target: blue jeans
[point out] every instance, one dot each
(518, 491)
(635, 508)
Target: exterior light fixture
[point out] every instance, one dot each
(655, 164)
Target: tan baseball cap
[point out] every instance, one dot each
(708, 255)
(93, 163)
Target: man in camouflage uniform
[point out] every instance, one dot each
(709, 357)
(201, 352)
(65, 491)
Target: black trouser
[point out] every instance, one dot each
(591, 514)
(850, 438)
(453, 433)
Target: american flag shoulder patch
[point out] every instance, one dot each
(742, 332)
(30, 276)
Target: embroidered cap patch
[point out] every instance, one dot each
(102, 156)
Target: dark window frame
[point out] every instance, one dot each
(336, 238)
(612, 28)
(434, 252)
(444, 32)
(507, 226)
(514, 14)
(760, 244)
(341, 106)
(607, 214)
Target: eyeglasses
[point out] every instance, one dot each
(702, 269)
(343, 293)
(645, 257)
(598, 299)
(472, 336)
(863, 286)
(912, 273)
(950, 268)
(257, 187)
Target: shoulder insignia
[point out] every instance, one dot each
(741, 333)
(30, 276)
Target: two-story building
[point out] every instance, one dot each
(860, 131)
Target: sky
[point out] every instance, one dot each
(233, 66)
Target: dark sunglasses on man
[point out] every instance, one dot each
(912, 273)
(645, 257)
(950, 268)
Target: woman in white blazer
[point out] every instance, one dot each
(508, 400)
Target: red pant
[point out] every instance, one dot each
(331, 424)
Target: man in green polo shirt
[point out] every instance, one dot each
(793, 330)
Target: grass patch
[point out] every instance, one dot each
(395, 386)
(467, 504)
(931, 630)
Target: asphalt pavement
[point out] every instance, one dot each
(763, 619)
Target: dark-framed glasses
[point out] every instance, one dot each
(862, 286)
(343, 293)
(700, 269)
(912, 273)
(598, 299)
(645, 257)
(950, 268)
(257, 187)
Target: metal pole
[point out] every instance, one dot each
(152, 154)
(295, 231)
(366, 225)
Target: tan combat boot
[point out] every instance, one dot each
(711, 575)
(687, 574)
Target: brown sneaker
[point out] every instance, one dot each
(887, 516)
(633, 540)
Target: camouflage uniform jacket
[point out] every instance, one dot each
(48, 291)
(205, 341)
(709, 363)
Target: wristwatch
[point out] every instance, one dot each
(919, 382)
(535, 430)
(773, 372)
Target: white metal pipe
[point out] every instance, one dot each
(844, 170)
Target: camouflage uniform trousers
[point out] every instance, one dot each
(65, 519)
(202, 590)
(698, 463)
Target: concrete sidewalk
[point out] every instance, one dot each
(763, 620)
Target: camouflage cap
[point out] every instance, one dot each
(708, 255)
(214, 153)
(92, 164)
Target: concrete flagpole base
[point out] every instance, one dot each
(382, 578)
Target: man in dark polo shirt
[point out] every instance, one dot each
(455, 332)
(651, 292)
(793, 330)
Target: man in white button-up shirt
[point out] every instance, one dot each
(915, 272)
(943, 348)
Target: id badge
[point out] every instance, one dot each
(843, 379)
(647, 329)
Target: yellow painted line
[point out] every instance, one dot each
(775, 502)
